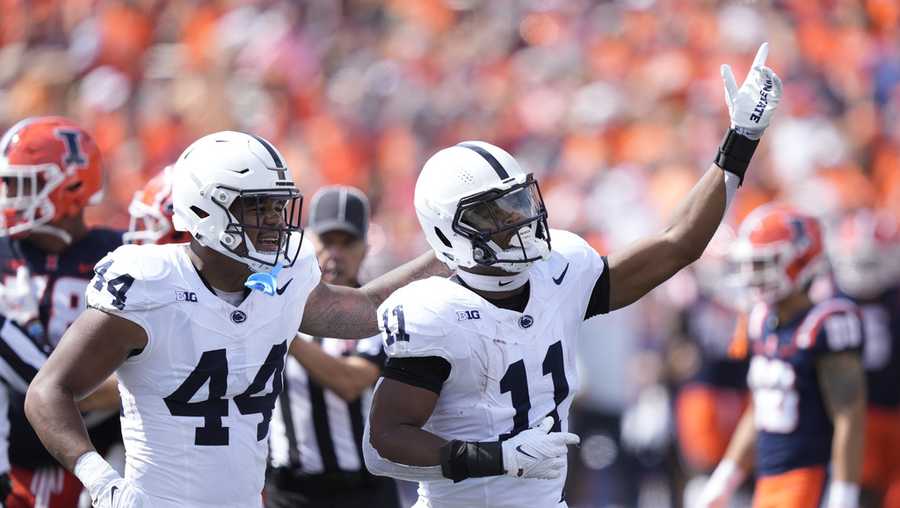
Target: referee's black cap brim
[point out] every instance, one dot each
(331, 226)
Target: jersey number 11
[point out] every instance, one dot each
(515, 381)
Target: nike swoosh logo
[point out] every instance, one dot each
(558, 280)
(112, 496)
(282, 288)
(507, 283)
(523, 452)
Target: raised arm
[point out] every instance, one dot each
(649, 262)
(843, 384)
(349, 313)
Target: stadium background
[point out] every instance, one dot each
(616, 106)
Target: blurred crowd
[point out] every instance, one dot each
(616, 106)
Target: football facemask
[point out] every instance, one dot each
(24, 196)
(266, 220)
(779, 251)
(508, 228)
(763, 277)
(151, 210)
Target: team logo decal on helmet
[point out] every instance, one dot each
(478, 207)
(228, 185)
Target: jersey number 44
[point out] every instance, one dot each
(213, 368)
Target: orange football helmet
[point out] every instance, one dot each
(864, 250)
(151, 212)
(50, 168)
(778, 251)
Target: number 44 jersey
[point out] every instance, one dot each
(198, 399)
(509, 369)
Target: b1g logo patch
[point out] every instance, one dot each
(185, 296)
(465, 315)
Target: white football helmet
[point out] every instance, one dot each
(232, 168)
(469, 195)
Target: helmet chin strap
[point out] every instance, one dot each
(494, 283)
(60, 233)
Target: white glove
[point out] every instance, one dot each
(18, 298)
(724, 481)
(752, 105)
(537, 452)
(843, 495)
(107, 488)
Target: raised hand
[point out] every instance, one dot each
(752, 105)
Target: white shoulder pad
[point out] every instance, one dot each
(123, 279)
(577, 251)
(577, 266)
(305, 271)
(416, 320)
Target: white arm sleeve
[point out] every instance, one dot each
(732, 182)
(378, 465)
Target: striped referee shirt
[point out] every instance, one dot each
(20, 359)
(313, 429)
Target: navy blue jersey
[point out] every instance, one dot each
(793, 426)
(881, 320)
(710, 326)
(59, 283)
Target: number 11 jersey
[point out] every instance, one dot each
(509, 369)
(198, 399)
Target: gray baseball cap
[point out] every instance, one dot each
(340, 208)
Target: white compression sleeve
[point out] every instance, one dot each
(732, 181)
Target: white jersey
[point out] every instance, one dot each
(508, 369)
(198, 399)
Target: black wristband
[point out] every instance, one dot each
(735, 153)
(463, 459)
